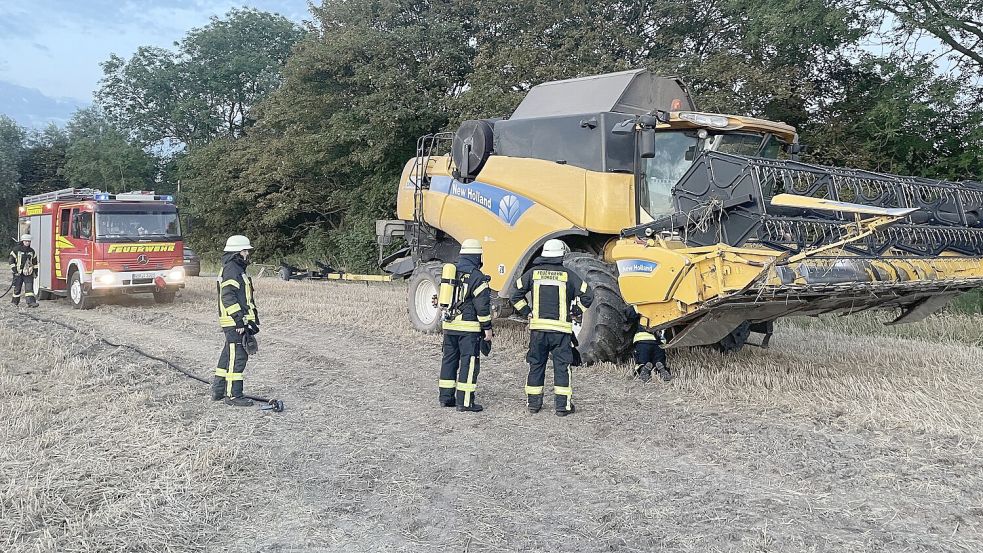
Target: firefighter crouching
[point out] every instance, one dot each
(553, 288)
(465, 300)
(239, 320)
(23, 265)
(648, 351)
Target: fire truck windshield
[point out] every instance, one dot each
(128, 226)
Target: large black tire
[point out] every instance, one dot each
(604, 334)
(734, 342)
(422, 289)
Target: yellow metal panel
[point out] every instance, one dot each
(610, 202)
(561, 188)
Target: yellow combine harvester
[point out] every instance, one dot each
(705, 222)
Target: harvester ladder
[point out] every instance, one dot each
(427, 147)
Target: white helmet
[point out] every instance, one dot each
(25, 238)
(237, 243)
(554, 248)
(471, 246)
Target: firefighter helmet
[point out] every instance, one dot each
(471, 246)
(25, 238)
(554, 248)
(237, 243)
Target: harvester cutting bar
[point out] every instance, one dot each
(939, 202)
(796, 234)
(725, 198)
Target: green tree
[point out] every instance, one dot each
(901, 118)
(100, 156)
(205, 88)
(11, 150)
(41, 166)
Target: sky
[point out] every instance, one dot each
(56, 46)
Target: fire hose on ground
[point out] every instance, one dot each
(272, 404)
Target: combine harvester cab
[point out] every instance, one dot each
(93, 244)
(751, 240)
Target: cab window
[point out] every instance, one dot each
(63, 223)
(81, 224)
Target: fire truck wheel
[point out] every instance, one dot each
(76, 293)
(164, 296)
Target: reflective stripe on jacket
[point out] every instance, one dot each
(552, 287)
(236, 305)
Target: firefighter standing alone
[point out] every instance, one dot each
(239, 320)
(553, 288)
(23, 265)
(467, 320)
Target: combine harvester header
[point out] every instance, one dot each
(756, 239)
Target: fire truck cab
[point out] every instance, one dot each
(94, 244)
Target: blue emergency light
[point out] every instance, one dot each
(101, 197)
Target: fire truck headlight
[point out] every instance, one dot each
(176, 274)
(103, 276)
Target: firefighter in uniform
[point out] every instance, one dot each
(465, 325)
(238, 318)
(648, 350)
(553, 288)
(23, 265)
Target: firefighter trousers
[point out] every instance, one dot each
(543, 345)
(227, 381)
(459, 368)
(23, 286)
(649, 351)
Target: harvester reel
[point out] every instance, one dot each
(473, 144)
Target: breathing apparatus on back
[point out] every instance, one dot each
(452, 289)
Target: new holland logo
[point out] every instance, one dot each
(636, 267)
(140, 248)
(508, 206)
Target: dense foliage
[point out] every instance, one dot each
(296, 137)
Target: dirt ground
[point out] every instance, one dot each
(844, 436)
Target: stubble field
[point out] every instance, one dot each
(845, 435)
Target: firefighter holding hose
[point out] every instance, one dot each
(239, 320)
(23, 266)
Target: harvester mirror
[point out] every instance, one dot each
(624, 127)
(646, 144)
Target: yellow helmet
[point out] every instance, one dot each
(471, 246)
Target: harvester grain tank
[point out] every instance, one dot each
(703, 221)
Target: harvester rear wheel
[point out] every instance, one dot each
(423, 286)
(604, 334)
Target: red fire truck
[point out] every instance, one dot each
(94, 244)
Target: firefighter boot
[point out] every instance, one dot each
(535, 403)
(239, 402)
(218, 388)
(15, 300)
(474, 407)
(570, 411)
(663, 371)
(645, 372)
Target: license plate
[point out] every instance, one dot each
(143, 276)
